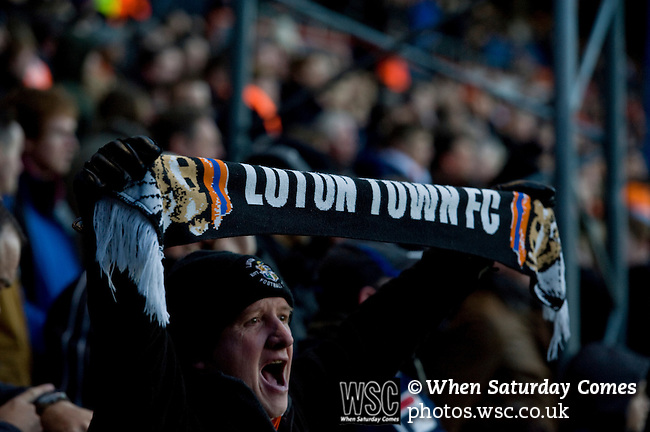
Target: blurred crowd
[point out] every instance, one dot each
(73, 78)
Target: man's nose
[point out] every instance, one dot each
(280, 336)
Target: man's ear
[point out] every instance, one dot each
(366, 292)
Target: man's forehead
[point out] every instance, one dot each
(279, 303)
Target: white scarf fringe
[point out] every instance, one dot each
(126, 240)
(561, 330)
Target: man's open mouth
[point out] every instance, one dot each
(273, 374)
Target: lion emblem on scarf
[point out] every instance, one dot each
(544, 255)
(187, 197)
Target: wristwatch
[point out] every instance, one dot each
(47, 399)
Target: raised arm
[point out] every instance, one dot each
(138, 383)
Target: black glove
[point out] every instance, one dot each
(111, 169)
(536, 190)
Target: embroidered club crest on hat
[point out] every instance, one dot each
(264, 272)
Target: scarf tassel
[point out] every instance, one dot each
(127, 241)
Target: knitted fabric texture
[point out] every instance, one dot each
(184, 200)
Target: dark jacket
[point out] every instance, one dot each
(50, 260)
(143, 387)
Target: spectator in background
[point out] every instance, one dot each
(159, 66)
(196, 51)
(521, 136)
(126, 110)
(258, 98)
(467, 152)
(191, 92)
(217, 75)
(337, 136)
(188, 131)
(497, 333)
(605, 410)
(21, 64)
(367, 266)
(12, 142)
(307, 73)
(42, 407)
(51, 260)
(423, 102)
(356, 93)
(15, 350)
(83, 64)
(406, 156)
(455, 160)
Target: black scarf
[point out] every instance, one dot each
(186, 200)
